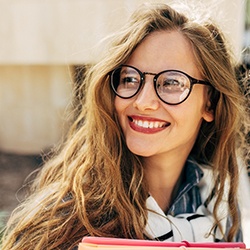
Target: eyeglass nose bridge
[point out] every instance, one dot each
(142, 83)
(143, 74)
(148, 73)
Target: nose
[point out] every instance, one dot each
(147, 99)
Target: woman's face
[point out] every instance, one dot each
(150, 126)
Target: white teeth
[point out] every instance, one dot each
(139, 123)
(147, 124)
(157, 125)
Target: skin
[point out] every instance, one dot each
(165, 147)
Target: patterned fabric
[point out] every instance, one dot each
(190, 216)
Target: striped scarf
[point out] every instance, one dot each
(190, 217)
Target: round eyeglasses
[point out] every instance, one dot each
(171, 86)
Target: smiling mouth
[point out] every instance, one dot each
(147, 124)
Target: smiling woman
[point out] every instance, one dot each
(180, 113)
(163, 127)
(154, 151)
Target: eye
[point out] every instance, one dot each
(128, 81)
(169, 85)
(172, 81)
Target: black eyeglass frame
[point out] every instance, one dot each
(156, 75)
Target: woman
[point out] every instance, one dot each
(153, 152)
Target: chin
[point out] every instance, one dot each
(140, 152)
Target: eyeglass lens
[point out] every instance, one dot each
(171, 86)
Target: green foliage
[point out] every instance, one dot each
(3, 217)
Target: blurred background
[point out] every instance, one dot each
(44, 47)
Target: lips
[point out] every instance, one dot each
(146, 124)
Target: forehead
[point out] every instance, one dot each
(164, 50)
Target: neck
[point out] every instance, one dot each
(164, 176)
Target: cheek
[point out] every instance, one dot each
(123, 104)
(197, 101)
(190, 113)
(118, 105)
(187, 122)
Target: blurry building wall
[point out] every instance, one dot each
(40, 42)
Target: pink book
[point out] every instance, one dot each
(91, 243)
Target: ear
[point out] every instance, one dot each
(208, 113)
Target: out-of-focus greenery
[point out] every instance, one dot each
(247, 14)
(3, 216)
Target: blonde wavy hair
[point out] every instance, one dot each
(94, 185)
